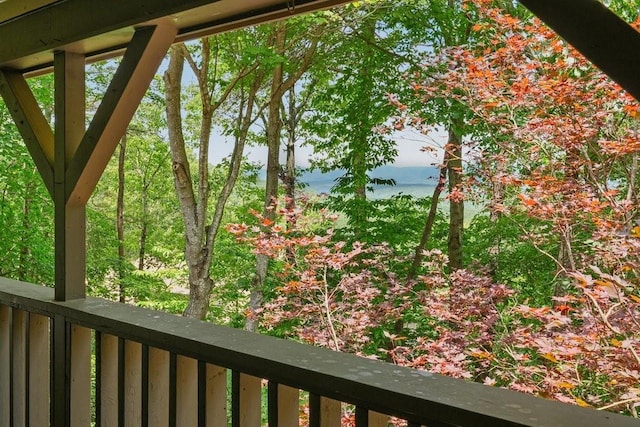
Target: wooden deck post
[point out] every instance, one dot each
(71, 160)
(70, 220)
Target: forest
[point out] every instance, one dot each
(520, 270)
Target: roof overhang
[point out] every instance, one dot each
(600, 35)
(32, 30)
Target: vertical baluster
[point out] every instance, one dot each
(120, 393)
(132, 383)
(19, 367)
(272, 404)
(284, 405)
(172, 389)
(216, 396)
(39, 351)
(366, 418)
(246, 400)
(324, 412)
(362, 417)
(144, 405)
(377, 419)
(80, 376)
(5, 365)
(202, 393)
(288, 406)
(108, 380)
(158, 388)
(186, 391)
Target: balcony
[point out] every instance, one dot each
(95, 362)
(67, 360)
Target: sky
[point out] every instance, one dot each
(409, 145)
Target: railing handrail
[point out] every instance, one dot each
(415, 395)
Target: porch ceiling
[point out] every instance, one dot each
(31, 30)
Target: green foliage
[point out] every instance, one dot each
(26, 213)
(231, 265)
(102, 251)
(350, 104)
(498, 249)
(397, 221)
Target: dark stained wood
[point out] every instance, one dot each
(60, 372)
(104, 28)
(272, 403)
(70, 221)
(599, 34)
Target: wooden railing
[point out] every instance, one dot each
(97, 362)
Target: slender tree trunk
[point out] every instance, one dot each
(26, 225)
(456, 204)
(360, 144)
(147, 181)
(289, 176)
(431, 217)
(142, 252)
(120, 219)
(279, 86)
(274, 128)
(495, 213)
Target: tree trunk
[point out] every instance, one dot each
(361, 141)
(199, 235)
(456, 204)
(142, 252)
(120, 219)
(279, 86)
(26, 225)
(274, 127)
(200, 284)
(431, 217)
(289, 176)
(495, 213)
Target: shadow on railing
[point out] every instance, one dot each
(111, 364)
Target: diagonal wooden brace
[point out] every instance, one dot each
(32, 125)
(136, 71)
(598, 33)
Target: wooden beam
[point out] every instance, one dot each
(31, 123)
(138, 67)
(102, 29)
(599, 34)
(11, 9)
(68, 21)
(70, 221)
